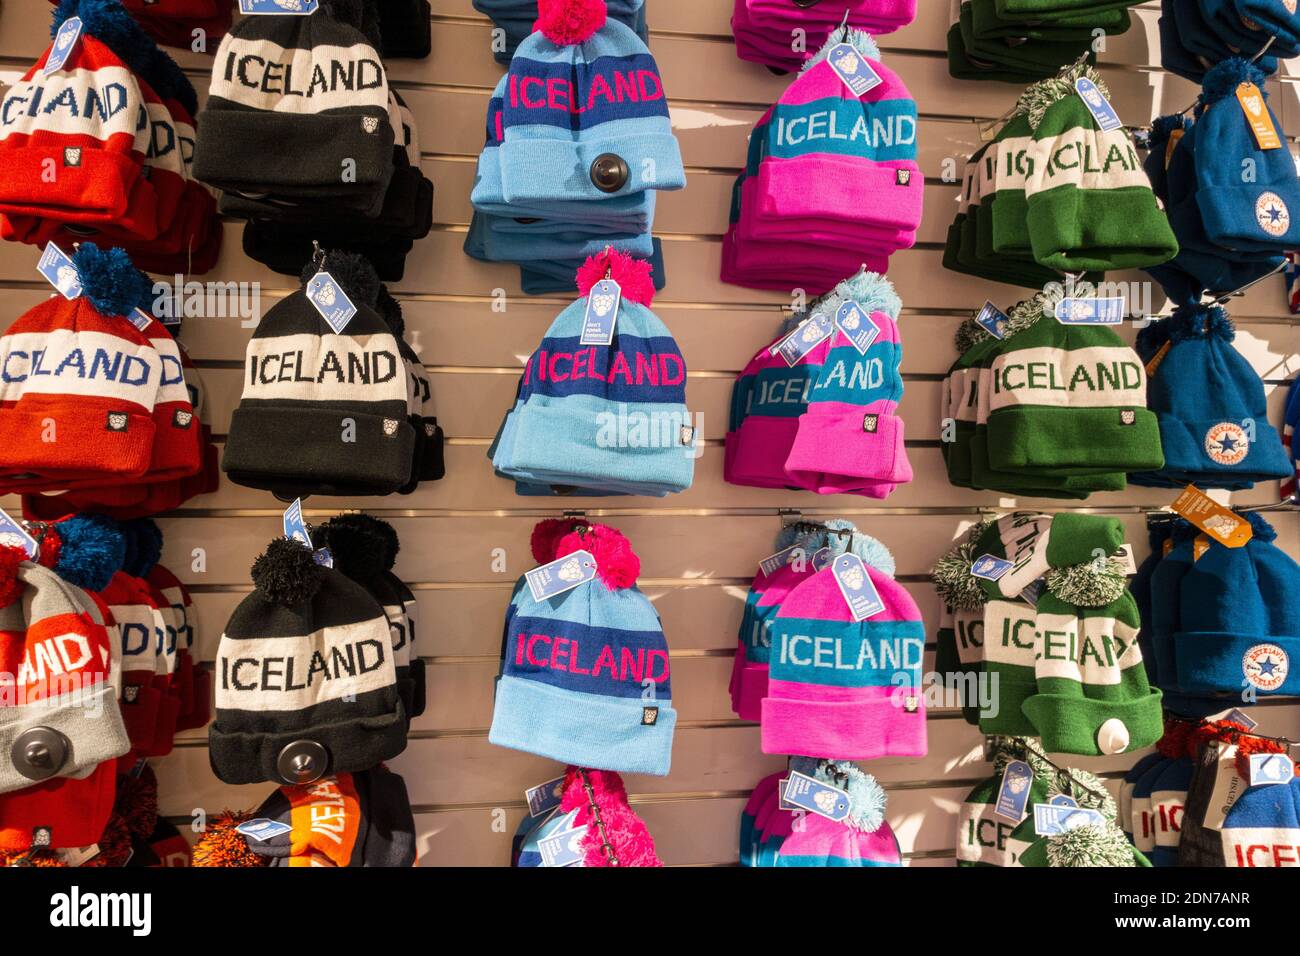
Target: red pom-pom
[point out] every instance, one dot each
(1177, 734)
(565, 22)
(547, 534)
(10, 586)
(632, 275)
(616, 563)
(48, 542)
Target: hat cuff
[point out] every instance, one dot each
(1225, 210)
(541, 169)
(861, 729)
(98, 189)
(140, 715)
(832, 450)
(588, 730)
(273, 446)
(90, 742)
(1069, 437)
(239, 757)
(1183, 443)
(1211, 662)
(1075, 229)
(762, 444)
(76, 811)
(853, 191)
(307, 150)
(1013, 691)
(1069, 723)
(85, 445)
(751, 688)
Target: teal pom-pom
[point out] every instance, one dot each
(872, 291)
(92, 549)
(871, 551)
(109, 281)
(860, 40)
(1222, 79)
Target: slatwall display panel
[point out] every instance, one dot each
(699, 548)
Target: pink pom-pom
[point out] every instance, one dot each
(565, 22)
(616, 563)
(630, 843)
(632, 275)
(546, 535)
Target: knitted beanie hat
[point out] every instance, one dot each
(1035, 543)
(585, 674)
(987, 838)
(1069, 398)
(1089, 204)
(60, 716)
(310, 91)
(1214, 427)
(1168, 799)
(428, 464)
(305, 676)
(849, 439)
(345, 819)
(195, 681)
(845, 689)
(763, 793)
(863, 838)
(96, 152)
(362, 551)
(1248, 216)
(1239, 626)
(603, 417)
(81, 371)
(60, 812)
(142, 551)
(1089, 845)
(584, 114)
(959, 650)
(1262, 828)
(323, 412)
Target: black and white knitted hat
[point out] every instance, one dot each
(305, 680)
(323, 412)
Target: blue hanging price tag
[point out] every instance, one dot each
(1270, 769)
(808, 793)
(295, 528)
(993, 320)
(262, 829)
(1100, 108)
(856, 586)
(805, 338)
(562, 574)
(562, 849)
(58, 269)
(1013, 794)
(602, 312)
(990, 568)
(283, 8)
(324, 557)
(857, 325)
(853, 69)
(64, 45)
(330, 301)
(14, 535)
(544, 797)
(1092, 310)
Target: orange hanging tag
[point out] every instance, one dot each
(1221, 524)
(1200, 544)
(1171, 144)
(1256, 110)
(1158, 358)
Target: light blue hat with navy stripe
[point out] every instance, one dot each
(585, 673)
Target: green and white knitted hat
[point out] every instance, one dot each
(959, 647)
(1095, 845)
(960, 397)
(1089, 202)
(1069, 399)
(986, 838)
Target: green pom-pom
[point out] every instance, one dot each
(1090, 846)
(1087, 790)
(957, 587)
(1090, 584)
(969, 334)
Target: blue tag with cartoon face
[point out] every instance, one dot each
(990, 568)
(59, 271)
(805, 338)
(562, 574)
(64, 45)
(14, 535)
(291, 8)
(993, 320)
(1237, 715)
(808, 793)
(1033, 591)
(1092, 310)
(775, 562)
(1013, 795)
(330, 301)
(324, 557)
(602, 312)
(1100, 108)
(857, 325)
(855, 583)
(1270, 769)
(822, 558)
(295, 528)
(852, 68)
(562, 849)
(262, 828)
(544, 797)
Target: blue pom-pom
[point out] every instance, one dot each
(1152, 337)
(1199, 322)
(871, 551)
(145, 543)
(1259, 526)
(1163, 126)
(108, 279)
(92, 550)
(1222, 79)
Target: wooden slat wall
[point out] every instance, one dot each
(699, 548)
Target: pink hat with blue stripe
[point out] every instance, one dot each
(845, 689)
(863, 838)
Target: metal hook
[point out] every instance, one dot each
(1240, 290)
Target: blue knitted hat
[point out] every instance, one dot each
(584, 114)
(1168, 797)
(1247, 26)
(1262, 829)
(1262, 215)
(1240, 622)
(585, 674)
(607, 418)
(1130, 812)
(516, 19)
(1210, 403)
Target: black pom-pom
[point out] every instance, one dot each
(359, 550)
(391, 310)
(286, 573)
(352, 272)
(146, 543)
(381, 529)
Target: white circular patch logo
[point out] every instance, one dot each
(1272, 215)
(1265, 666)
(1226, 443)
